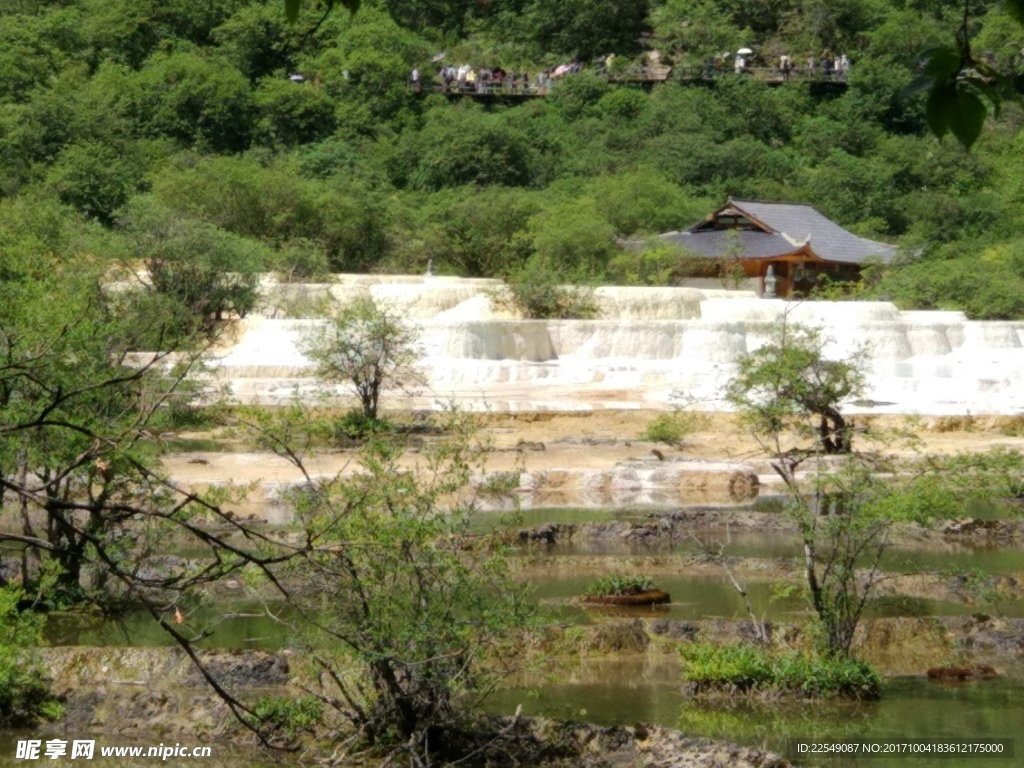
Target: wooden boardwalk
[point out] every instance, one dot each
(772, 78)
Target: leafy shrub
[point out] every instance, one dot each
(655, 264)
(536, 291)
(669, 428)
(289, 717)
(500, 483)
(618, 584)
(994, 291)
(921, 500)
(195, 269)
(947, 487)
(747, 669)
(355, 425)
(302, 260)
(25, 697)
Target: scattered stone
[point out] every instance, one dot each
(199, 461)
(542, 534)
(992, 635)
(531, 445)
(964, 525)
(573, 440)
(657, 454)
(241, 669)
(567, 744)
(675, 629)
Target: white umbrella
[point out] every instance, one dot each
(744, 51)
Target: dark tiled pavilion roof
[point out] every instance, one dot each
(786, 228)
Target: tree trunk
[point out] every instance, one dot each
(833, 433)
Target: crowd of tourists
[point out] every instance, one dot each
(483, 80)
(825, 67)
(467, 79)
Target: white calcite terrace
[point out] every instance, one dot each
(645, 344)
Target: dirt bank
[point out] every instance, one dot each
(546, 441)
(157, 694)
(646, 649)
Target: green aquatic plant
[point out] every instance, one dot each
(746, 669)
(619, 584)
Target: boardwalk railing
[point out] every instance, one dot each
(638, 76)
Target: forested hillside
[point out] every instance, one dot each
(173, 130)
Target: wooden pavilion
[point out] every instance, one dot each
(795, 241)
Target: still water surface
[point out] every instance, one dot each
(910, 708)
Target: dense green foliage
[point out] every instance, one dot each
(749, 669)
(132, 116)
(25, 697)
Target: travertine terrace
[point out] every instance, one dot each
(646, 344)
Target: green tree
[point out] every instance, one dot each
(408, 620)
(465, 146)
(588, 28)
(469, 231)
(538, 290)
(205, 273)
(697, 27)
(790, 386)
(653, 263)
(257, 40)
(365, 71)
(96, 179)
(643, 201)
(842, 539)
(31, 51)
(69, 419)
(368, 349)
(194, 99)
(292, 113)
(573, 235)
